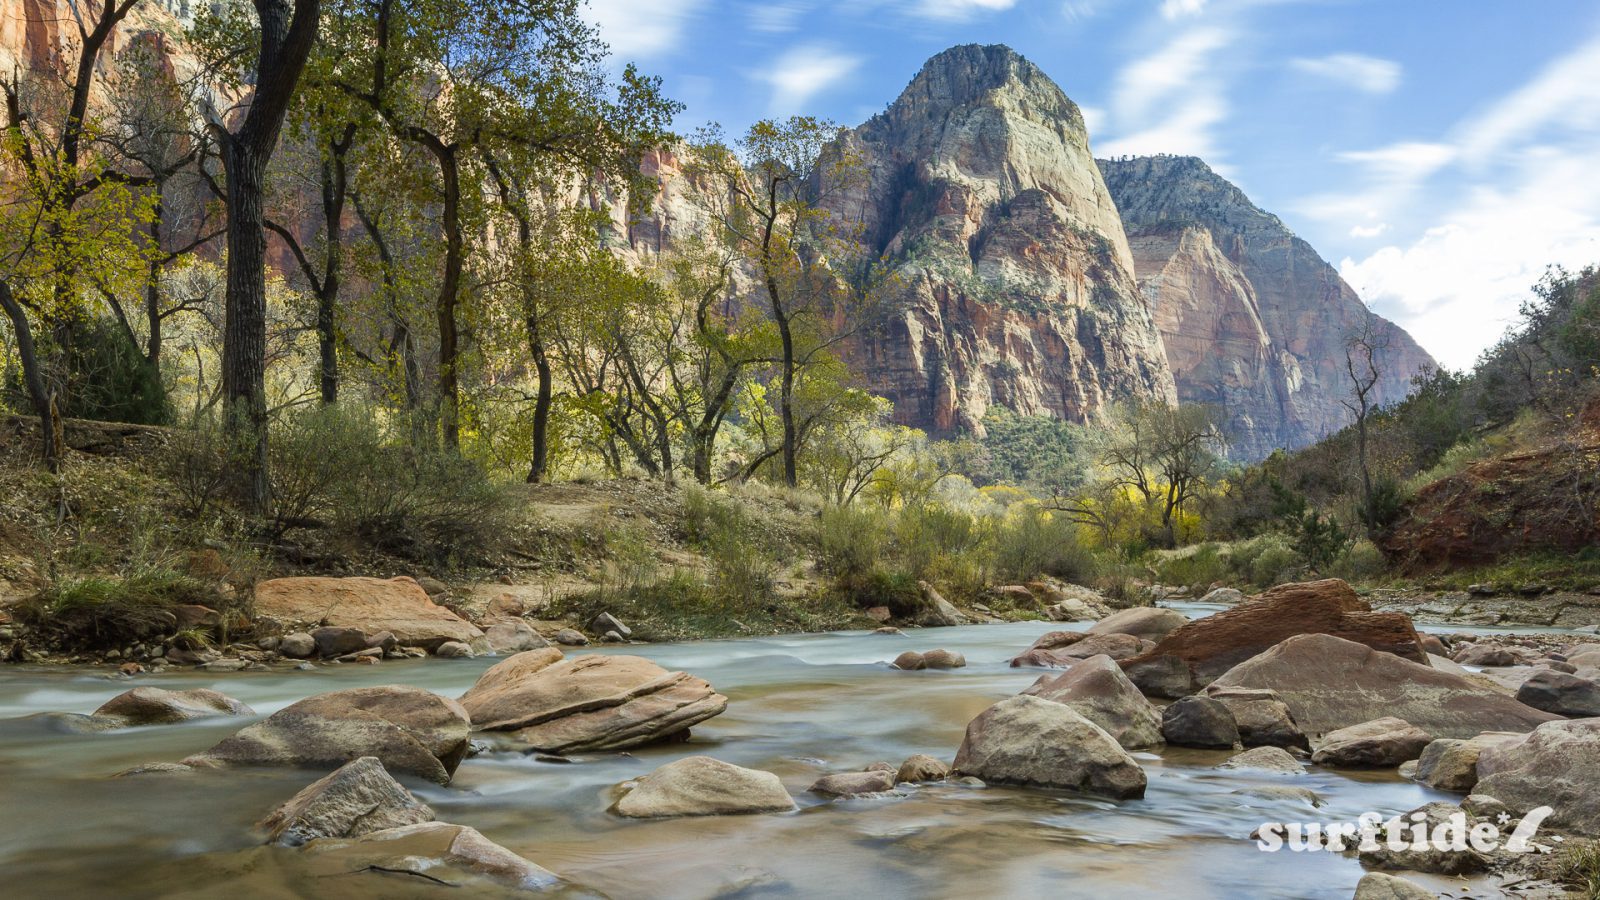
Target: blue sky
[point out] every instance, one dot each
(1441, 154)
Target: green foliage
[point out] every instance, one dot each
(1579, 866)
(104, 612)
(1384, 507)
(111, 379)
(850, 540)
(1033, 542)
(1041, 452)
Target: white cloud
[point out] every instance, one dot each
(961, 9)
(1177, 9)
(1171, 100)
(1369, 231)
(802, 73)
(774, 18)
(1364, 73)
(634, 35)
(1094, 118)
(1406, 161)
(1566, 93)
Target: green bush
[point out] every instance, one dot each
(880, 586)
(1031, 543)
(98, 612)
(1196, 568)
(1276, 563)
(1361, 561)
(929, 537)
(851, 540)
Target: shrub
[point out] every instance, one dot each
(1361, 561)
(101, 612)
(1276, 564)
(1032, 543)
(1197, 568)
(1579, 866)
(879, 586)
(930, 537)
(850, 540)
(1384, 507)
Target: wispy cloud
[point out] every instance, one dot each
(958, 10)
(1177, 9)
(1169, 101)
(803, 72)
(633, 35)
(1364, 73)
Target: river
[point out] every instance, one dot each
(799, 706)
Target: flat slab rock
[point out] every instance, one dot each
(397, 605)
(588, 703)
(702, 786)
(410, 730)
(1330, 683)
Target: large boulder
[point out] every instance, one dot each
(358, 798)
(702, 786)
(1212, 645)
(1380, 743)
(411, 731)
(936, 610)
(155, 706)
(1098, 690)
(1030, 741)
(1148, 622)
(1560, 693)
(1261, 716)
(1160, 676)
(1116, 646)
(1557, 765)
(1451, 764)
(1202, 722)
(438, 852)
(397, 605)
(509, 635)
(588, 702)
(1331, 683)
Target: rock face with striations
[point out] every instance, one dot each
(1253, 320)
(1014, 283)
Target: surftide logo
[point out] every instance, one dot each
(1371, 832)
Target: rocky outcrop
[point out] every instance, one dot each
(702, 786)
(588, 702)
(1253, 321)
(1210, 646)
(372, 605)
(1330, 683)
(409, 730)
(155, 706)
(1014, 283)
(358, 798)
(1033, 742)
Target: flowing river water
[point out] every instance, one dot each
(799, 706)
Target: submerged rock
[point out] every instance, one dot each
(589, 702)
(155, 706)
(410, 730)
(437, 851)
(1029, 741)
(851, 784)
(1266, 759)
(702, 786)
(358, 798)
(922, 768)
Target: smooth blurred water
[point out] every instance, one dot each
(800, 706)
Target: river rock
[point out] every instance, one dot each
(921, 768)
(570, 637)
(1382, 886)
(453, 855)
(1557, 765)
(1116, 646)
(1380, 743)
(1031, 741)
(1261, 716)
(943, 659)
(1160, 676)
(702, 786)
(1451, 764)
(1223, 596)
(358, 798)
(936, 610)
(509, 635)
(453, 650)
(851, 784)
(1212, 645)
(335, 641)
(1266, 759)
(1561, 693)
(370, 605)
(1331, 683)
(1490, 654)
(1428, 859)
(589, 702)
(1147, 622)
(910, 661)
(607, 622)
(1202, 722)
(298, 645)
(1097, 689)
(154, 706)
(411, 731)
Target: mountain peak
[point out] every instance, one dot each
(972, 74)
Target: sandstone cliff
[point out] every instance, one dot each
(1253, 320)
(1015, 283)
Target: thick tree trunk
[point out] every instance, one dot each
(152, 289)
(449, 289)
(244, 335)
(538, 469)
(786, 407)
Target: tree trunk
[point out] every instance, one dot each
(244, 335)
(538, 469)
(152, 288)
(449, 289)
(786, 406)
(33, 379)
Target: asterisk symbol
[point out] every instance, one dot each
(1503, 818)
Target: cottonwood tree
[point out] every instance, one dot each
(70, 220)
(772, 207)
(1361, 351)
(284, 32)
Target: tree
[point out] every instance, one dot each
(285, 31)
(1361, 351)
(771, 207)
(70, 220)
